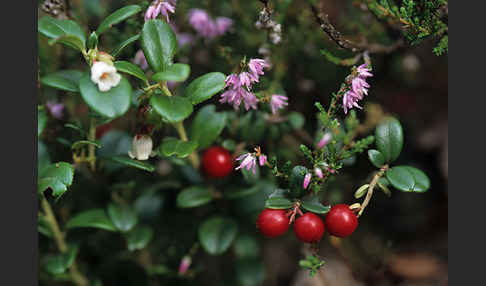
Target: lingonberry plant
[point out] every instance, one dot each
(144, 124)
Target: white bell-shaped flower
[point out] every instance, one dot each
(141, 147)
(104, 75)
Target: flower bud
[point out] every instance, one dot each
(105, 57)
(185, 263)
(141, 147)
(361, 191)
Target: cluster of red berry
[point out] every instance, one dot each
(340, 221)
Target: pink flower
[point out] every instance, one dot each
(232, 80)
(350, 100)
(318, 172)
(223, 24)
(262, 159)
(245, 79)
(184, 265)
(249, 99)
(256, 67)
(202, 23)
(160, 7)
(140, 60)
(278, 102)
(364, 71)
(56, 109)
(307, 180)
(182, 38)
(237, 94)
(359, 88)
(326, 138)
(248, 162)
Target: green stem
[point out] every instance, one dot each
(91, 147)
(77, 277)
(193, 157)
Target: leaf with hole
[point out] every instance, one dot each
(58, 177)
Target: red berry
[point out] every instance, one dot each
(272, 223)
(309, 228)
(341, 221)
(217, 162)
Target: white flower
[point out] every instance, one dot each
(141, 147)
(104, 75)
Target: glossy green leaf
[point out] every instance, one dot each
(159, 44)
(41, 121)
(408, 179)
(54, 29)
(173, 109)
(139, 237)
(92, 40)
(312, 204)
(133, 163)
(114, 53)
(117, 17)
(68, 40)
(207, 126)
(112, 103)
(58, 177)
(96, 218)
(193, 197)
(172, 146)
(67, 80)
(176, 72)
(204, 87)
(296, 180)
(122, 216)
(60, 263)
(376, 158)
(250, 272)
(279, 199)
(389, 139)
(361, 191)
(131, 69)
(82, 143)
(216, 234)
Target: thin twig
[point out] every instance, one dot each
(369, 194)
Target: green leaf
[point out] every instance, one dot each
(82, 143)
(117, 17)
(41, 121)
(159, 44)
(43, 158)
(172, 146)
(408, 179)
(246, 246)
(60, 263)
(207, 125)
(193, 197)
(92, 40)
(67, 80)
(112, 103)
(250, 272)
(279, 200)
(376, 158)
(54, 29)
(96, 218)
(124, 44)
(58, 177)
(312, 204)
(68, 40)
(122, 216)
(361, 191)
(173, 109)
(204, 87)
(43, 226)
(176, 72)
(133, 163)
(139, 237)
(296, 120)
(389, 139)
(296, 180)
(240, 192)
(216, 234)
(131, 69)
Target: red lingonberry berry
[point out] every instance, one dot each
(309, 228)
(341, 221)
(272, 223)
(216, 162)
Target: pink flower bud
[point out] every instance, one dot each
(262, 160)
(307, 180)
(185, 263)
(324, 140)
(318, 172)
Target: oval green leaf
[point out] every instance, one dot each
(173, 109)
(96, 218)
(408, 179)
(207, 126)
(82, 143)
(58, 177)
(279, 200)
(123, 44)
(112, 103)
(312, 204)
(117, 17)
(54, 28)
(67, 80)
(389, 139)
(133, 163)
(172, 146)
(176, 72)
(131, 69)
(193, 197)
(216, 234)
(204, 87)
(159, 44)
(122, 216)
(139, 237)
(376, 158)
